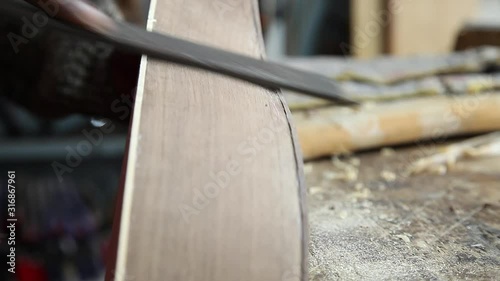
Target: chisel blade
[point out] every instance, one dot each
(176, 50)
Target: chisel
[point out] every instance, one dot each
(164, 47)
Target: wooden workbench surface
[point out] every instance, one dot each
(380, 225)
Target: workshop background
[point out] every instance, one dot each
(388, 200)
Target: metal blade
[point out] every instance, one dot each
(165, 47)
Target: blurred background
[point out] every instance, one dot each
(65, 211)
(367, 29)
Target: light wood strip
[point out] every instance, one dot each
(331, 131)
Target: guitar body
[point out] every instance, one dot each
(213, 187)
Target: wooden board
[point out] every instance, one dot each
(368, 28)
(213, 181)
(427, 26)
(336, 130)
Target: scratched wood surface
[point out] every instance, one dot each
(213, 179)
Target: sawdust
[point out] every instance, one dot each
(308, 168)
(416, 228)
(387, 152)
(346, 171)
(441, 162)
(359, 186)
(388, 176)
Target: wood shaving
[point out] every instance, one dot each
(441, 162)
(488, 150)
(359, 186)
(354, 161)
(346, 171)
(351, 175)
(388, 176)
(368, 105)
(315, 190)
(337, 163)
(343, 215)
(387, 152)
(331, 175)
(382, 187)
(362, 194)
(480, 246)
(403, 237)
(308, 168)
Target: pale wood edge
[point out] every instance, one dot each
(117, 253)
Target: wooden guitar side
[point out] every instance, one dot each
(213, 186)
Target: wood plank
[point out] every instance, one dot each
(368, 24)
(427, 26)
(213, 187)
(340, 130)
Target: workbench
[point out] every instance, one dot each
(377, 224)
(369, 217)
